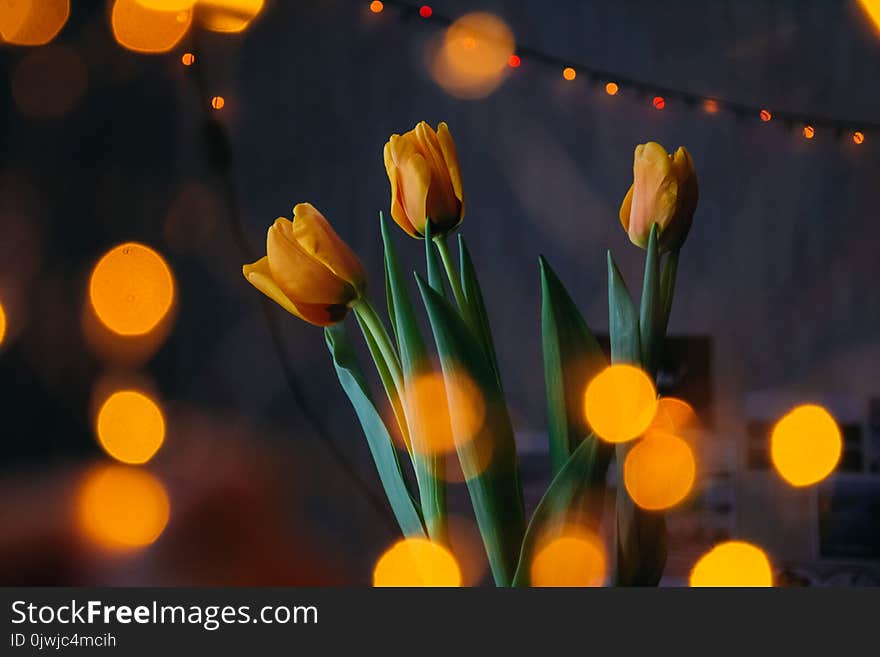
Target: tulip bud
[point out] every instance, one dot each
(308, 270)
(422, 167)
(664, 192)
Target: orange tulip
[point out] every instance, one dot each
(308, 270)
(664, 192)
(422, 167)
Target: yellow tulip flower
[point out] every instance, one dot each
(308, 270)
(664, 192)
(422, 167)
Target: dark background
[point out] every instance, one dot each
(778, 273)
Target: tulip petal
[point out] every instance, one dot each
(626, 209)
(258, 275)
(415, 180)
(298, 274)
(316, 236)
(397, 211)
(655, 191)
(450, 157)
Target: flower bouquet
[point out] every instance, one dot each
(446, 394)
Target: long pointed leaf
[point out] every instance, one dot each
(572, 357)
(378, 439)
(415, 363)
(649, 309)
(476, 307)
(575, 497)
(494, 487)
(641, 535)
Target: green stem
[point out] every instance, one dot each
(451, 274)
(370, 318)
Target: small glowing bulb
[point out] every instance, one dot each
(514, 61)
(425, 11)
(611, 88)
(858, 137)
(188, 59)
(765, 115)
(569, 73)
(376, 6)
(217, 102)
(659, 102)
(809, 132)
(711, 106)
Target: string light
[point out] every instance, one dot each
(658, 94)
(188, 59)
(217, 102)
(809, 132)
(376, 6)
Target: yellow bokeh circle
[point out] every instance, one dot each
(131, 289)
(433, 429)
(2, 323)
(733, 563)
(148, 30)
(121, 507)
(130, 427)
(659, 471)
(806, 445)
(416, 562)
(228, 16)
(620, 403)
(32, 22)
(577, 558)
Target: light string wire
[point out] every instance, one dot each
(408, 12)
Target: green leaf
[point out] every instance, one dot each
(494, 487)
(379, 440)
(641, 535)
(476, 311)
(575, 497)
(572, 357)
(414, 362)
(649, 310)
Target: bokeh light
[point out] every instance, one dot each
(659, 102)
(121, 507)
(569, 73)
(130, 426)
(733, 563)
(167, 5)
(659, 471)
(218, 102)
(131, 289)
(809, 132)
(620, 403)
(146, 30)
(2, 323)
(428, 415)
(416, 562)
(229, 16)
(473, 58)
(858, 137)
(576, 558)
(48, 82)
(514, 61)
(806, 445)
(676, 416)
(188, 59)
(611, 88)
(765, 115)
(376, 6)
(425, 11)
(872, 11)
(710, 106)
(32, 22)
